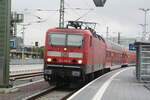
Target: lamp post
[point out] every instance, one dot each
(145, 22)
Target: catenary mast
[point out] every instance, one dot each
(62, 11)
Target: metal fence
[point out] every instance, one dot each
(143, 61)
(25, 61)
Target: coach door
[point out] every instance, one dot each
(125, 58)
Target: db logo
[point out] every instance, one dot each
(65, 54)
(65, 60)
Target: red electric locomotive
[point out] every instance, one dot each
(75, 55)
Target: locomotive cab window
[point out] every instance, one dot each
(64, 39)
(74, 40)
(57, 39)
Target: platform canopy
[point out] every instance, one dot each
(99, 3)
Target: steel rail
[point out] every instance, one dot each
(68, 95)
(40, 94)
(49, 91)
(27, 75)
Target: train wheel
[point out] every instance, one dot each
(124, 66)
(92, 76)
(83, 80)
(89, 77)
(108, 70)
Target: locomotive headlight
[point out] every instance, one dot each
(65, 49)
(80, 61)
(49, 59)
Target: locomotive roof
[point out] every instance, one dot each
(69, 30)
(110, 45)
(81, 31)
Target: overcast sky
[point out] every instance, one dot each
(120, 15)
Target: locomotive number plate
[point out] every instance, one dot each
(48, 71)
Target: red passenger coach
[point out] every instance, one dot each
(114, 55)
(75, 55)
(129, 57)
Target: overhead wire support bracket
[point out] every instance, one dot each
(81, 25)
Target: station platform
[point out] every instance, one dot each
(119, 84)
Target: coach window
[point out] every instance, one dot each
(90, 41)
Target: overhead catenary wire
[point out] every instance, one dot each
(75, 11)
(83, 15)
(67, 4)
(91, 6)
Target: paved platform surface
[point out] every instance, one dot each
(25, 90)
(116, 85)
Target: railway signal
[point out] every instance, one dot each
(15, 18)
(36, 44)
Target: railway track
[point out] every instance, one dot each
(51, 93)
(28, 75)
(55, 93)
